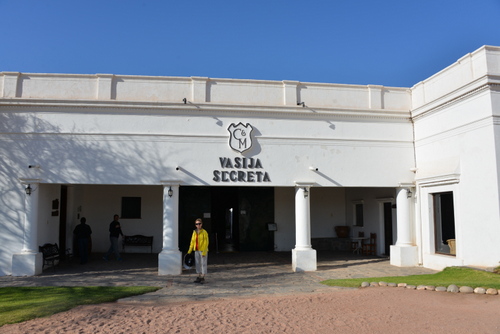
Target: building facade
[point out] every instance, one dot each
(268, 165)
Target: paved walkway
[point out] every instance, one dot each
(229, 275)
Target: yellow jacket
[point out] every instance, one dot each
(202, 242)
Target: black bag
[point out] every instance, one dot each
(189, 260)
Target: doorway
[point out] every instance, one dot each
(63, 209)
(225, 215)
(236, 218)
(388, 227)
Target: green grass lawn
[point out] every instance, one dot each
(19, 304)
(452, 275)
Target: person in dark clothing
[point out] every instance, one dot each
(115, 231)
(82, 233)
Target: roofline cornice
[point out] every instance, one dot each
(199, 108)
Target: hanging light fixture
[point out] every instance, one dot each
(170, 191)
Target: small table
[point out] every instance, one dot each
(359, 244)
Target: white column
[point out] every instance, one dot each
(403, 218)
(404, 253)
(303, 256)
(29, 262)
(170, 258)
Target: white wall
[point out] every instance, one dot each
(327, 211)
(100, 203)
(456, 150)
(81, 147)
(48, 225)
(284, 211)
(11, 219)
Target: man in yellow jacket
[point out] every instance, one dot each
(199, 244)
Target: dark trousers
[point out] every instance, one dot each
(83, 247)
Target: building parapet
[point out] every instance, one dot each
(467, 74)
(200, 90)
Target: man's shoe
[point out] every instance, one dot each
(202, 280)
(198, 279)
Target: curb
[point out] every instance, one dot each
(451, 288)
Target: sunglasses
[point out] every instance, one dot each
(198, 224)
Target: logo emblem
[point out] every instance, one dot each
(240, 139)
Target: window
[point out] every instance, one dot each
(358, 213)
(131, 207)
(444, 223)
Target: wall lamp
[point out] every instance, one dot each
(28, 190)
(170, 192)
(408, 193)
(184, 100)
(306, 193)
(303, 104)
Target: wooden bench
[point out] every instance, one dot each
(50, 254)
(137, 240)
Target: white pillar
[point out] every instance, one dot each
(170, 258)
(403, 218)
(303, 256)
(404, 253)
(30, 261)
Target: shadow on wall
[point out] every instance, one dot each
(64, 158)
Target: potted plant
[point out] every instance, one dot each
(342, 231)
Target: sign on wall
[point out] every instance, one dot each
(240, 169)
(240, 138)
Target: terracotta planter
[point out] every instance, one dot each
(342, 231)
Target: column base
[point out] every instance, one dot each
(27, 264)
(404, 256)
(304, 260)
(170, 262)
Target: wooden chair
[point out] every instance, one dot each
(370, 247)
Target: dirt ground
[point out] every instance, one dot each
(369, 310)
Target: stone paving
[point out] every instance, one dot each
(229, 275)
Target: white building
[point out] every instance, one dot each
(417, 166)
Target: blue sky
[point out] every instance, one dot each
(389, 42)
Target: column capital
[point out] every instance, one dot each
(302, 184)
(167, 183)
(26, 181)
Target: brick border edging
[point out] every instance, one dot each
(451, 288)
